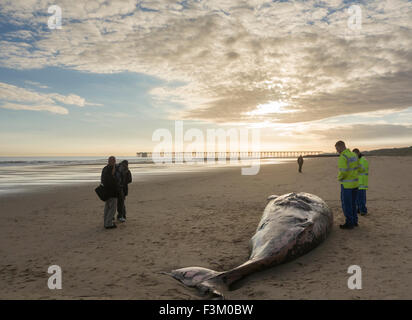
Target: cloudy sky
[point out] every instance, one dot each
(305, 73)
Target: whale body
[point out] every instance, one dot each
(291, 225)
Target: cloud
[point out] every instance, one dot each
(366, 131)
(36, 84)
(49, 108)
(72, 99)
(18, 98)
(10, 92)
(232, 55)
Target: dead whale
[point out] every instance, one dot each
(291, 225)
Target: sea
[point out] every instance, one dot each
(22, 174)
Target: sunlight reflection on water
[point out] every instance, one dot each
(21, 176)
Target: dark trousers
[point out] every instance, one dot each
(300, 167)
(361, 202)
(348, 198)
(121, 206)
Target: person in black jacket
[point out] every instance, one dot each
(111, 186)
(300, 163)
(124, 176)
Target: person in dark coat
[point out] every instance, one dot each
(111, 187)
(124, 177)
(300, 163)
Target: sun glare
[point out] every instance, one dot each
(269, 108)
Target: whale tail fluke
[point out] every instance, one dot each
(213, 288)
(208, 282)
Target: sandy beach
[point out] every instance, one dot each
(205, 219)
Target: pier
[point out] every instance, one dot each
(231, 155)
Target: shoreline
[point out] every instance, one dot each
(85, 178)
(205, 219)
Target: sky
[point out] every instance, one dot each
(303, 73)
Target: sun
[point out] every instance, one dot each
(270, 108)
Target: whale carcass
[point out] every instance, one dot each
(291, 225)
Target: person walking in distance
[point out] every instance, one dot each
(300, 163)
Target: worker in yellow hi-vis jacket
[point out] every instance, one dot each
(363, 183)
(348, 177)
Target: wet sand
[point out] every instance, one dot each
(205, 219)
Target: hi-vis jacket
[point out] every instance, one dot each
(348, 165)
(363, 173)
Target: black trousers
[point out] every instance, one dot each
(300, 167)
(121, 206)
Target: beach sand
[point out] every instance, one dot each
(205, 219)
